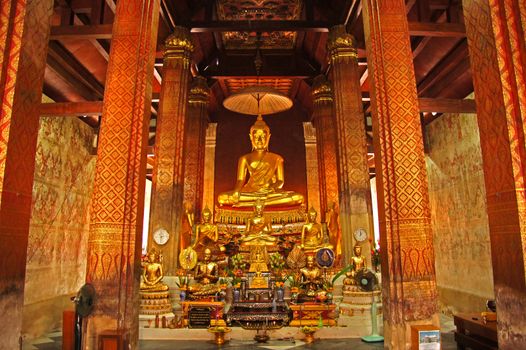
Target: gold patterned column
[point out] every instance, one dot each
(168, 173)
(355, 208)
(24, 29)
(311, 156)
(408, 272)
(194, 151)
(114, 244)
(326, 135)
(497, 48)
(209, 166)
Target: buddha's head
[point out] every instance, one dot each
(357, 250)
(153, 256)
(310, 261)
(259, 135)
(259, 206)
(206, 215)
(312, 214)
(207, 255)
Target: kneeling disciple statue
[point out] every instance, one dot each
(266, 177)
(312, 234)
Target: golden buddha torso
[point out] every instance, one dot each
(265, 175)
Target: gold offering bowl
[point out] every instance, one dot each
(219, 333)
(309, 333)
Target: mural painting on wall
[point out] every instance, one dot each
(60, 207)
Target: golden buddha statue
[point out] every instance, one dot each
(312, 234)
(358, 263)
(152, 273)
(257, 232)
(258, 261)
(311, 277)
(266, 175)
(206, 274)
(206, 234)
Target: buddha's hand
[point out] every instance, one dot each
(235, 196)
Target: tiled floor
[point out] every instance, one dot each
(55, 343)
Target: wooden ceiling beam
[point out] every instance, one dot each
(447, 105)
(71, 109)
(97, 31)
(443, 68)
(260, 26)
(437, 29)
(75, 69)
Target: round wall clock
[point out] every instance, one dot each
(360, 235)
(161, 236)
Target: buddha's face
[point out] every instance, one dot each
(357, 250)
(258, 208)
(207, 255)
(259, 138)
(312, 216)
(206, 216)
(310, 261)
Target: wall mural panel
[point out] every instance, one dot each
(56, 256)
(460, 223)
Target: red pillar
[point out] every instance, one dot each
(408, 273)
(24, 33)
(497, 49)
(114, 244)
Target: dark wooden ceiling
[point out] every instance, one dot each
(293, 47)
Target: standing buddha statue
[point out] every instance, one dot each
(266, 177)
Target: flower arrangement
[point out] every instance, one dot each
(375, 254)
(276, 261)
(182, 281)
(280, 284)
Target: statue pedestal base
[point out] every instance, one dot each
(355, 310)
(154, 303)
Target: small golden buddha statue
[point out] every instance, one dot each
(266, 177)
(311, 277)
(206, 234)
(358, 262)
(257, 260)
(206, 274)
(257, 232)
(312, 234)
(152, 273)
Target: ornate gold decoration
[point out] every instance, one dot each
(179, 44)
(188, 258)
(238, 216)
(321, 89)
(341, 44)
(199, 91)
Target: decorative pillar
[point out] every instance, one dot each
(311, 156)
(24, 28)
(326, 135)
(355, 207)
(406, 240)
(194, 153)
(497, 48)
(209, 166)
(114, 244)
(168, 173)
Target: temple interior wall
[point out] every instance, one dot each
(59, 227)
(458, 213)
(286, 139)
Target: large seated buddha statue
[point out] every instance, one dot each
(265, 170)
